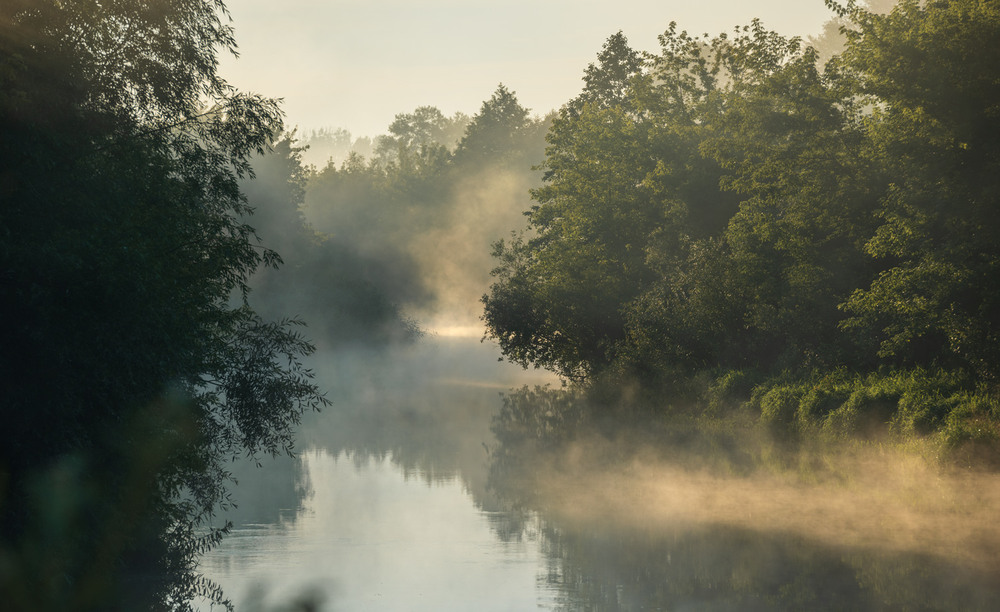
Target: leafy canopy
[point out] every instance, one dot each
(132, 364)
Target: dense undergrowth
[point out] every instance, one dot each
(739, 424)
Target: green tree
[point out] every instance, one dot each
(502, 130)
(133, 367)
(790, 141)
(933, 90)
(616, 185)
(607, 82)
(425, 128)
(557, 299)
(736, 207)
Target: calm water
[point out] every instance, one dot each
(387, 508)
(372, 537)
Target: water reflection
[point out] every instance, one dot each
(370, 538)
(388, 508)
(733, 569)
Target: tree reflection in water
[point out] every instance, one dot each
(735, 569)
(626, 528)
(614, 537)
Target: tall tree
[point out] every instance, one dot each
(500, 131)
(615, 182)
(607, 82)
(706, 211)
(789, 139)
(133, 367)
(935, 128)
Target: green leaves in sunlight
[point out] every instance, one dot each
(736, 204)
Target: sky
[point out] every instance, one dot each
(355, 64)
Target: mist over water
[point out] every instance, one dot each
(391, 504)
(386, 506)
(876, 500)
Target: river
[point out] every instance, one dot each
(387, 507)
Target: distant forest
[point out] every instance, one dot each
(373, 245)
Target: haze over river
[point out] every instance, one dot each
(387, 507)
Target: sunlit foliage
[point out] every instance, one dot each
(736, 204)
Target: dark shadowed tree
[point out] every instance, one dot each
(933, 89)
(133, 369)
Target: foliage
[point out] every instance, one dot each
(736, 204)
(411, 134)
(343, 294)
(933, 88)
(133, 367)
(557, 303)
(502, 131)
(417, 218)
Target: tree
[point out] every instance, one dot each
(502, 130)
(706, 212)
(932, 87)
(789, 139)
(133, 367)
(734, 208)
(557, 297)
(622, 174)
(607, 82)
(413, 133)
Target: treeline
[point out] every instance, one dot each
(376, 247)
(734, 222)
(425, 126)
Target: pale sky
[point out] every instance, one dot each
(355, 64)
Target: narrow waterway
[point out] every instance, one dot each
(371, 536)
(387, 507)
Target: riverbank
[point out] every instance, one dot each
(713, 498)
(821, 428)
